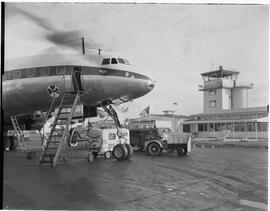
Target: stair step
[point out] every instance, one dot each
(62, 118)
(71, 93)
(48, 155)
(54, 142)
(51, 147)
(58, 129)
(65, 112)
(46, 161)
(65, 106)
(57, 135)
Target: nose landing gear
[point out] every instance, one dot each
(121, 151)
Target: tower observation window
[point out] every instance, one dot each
(212, 103)
(212, 92)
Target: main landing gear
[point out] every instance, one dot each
(121, 151)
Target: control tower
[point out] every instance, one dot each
(222, 91)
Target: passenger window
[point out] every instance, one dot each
(8, 75)
(106, 61)
(114, 61)
(60, 70)
(44, 71)
(16, 74)
(121, 61)
(30, 72)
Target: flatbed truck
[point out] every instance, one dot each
(153, 141)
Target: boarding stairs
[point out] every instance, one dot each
(19, 133)
(42, 132)
(59, 134)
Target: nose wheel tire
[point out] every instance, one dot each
(130, 151)
(120, 152)
(154, 149)
(181, 151)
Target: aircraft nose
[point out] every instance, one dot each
(150, 84)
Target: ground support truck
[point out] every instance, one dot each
(155, 142)
(107, 142)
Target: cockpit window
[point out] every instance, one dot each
(121, 61)
(114, 61)
(106, 61)
(126, 61)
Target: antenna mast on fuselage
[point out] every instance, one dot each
(83, 48)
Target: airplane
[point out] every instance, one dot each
(30, 84)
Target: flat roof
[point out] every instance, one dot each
(220, 73)
(263, 119)
(236, 110)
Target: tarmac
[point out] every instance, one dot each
(207, 179)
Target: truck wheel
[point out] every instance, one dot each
(30, 155)
(95, 154)
(130, 151)
(91, 157)
(120, 152)
(13, 143)
(181, 151)
(107, 155)
(7, 143)
(154, 149)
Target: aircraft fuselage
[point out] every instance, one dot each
(25, 85)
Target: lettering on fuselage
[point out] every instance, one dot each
(66, 70)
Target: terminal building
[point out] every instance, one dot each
(225, 108)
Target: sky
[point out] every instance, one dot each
(174, 42)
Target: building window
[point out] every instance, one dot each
(202, 127)
(217, 126)
(236, 126)
(210, 127)
(262, 126)
(212, 103)
(229, 126)
(242, 126)
(186, 128)
(212, 92)
(251, 126)
(222, 126)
